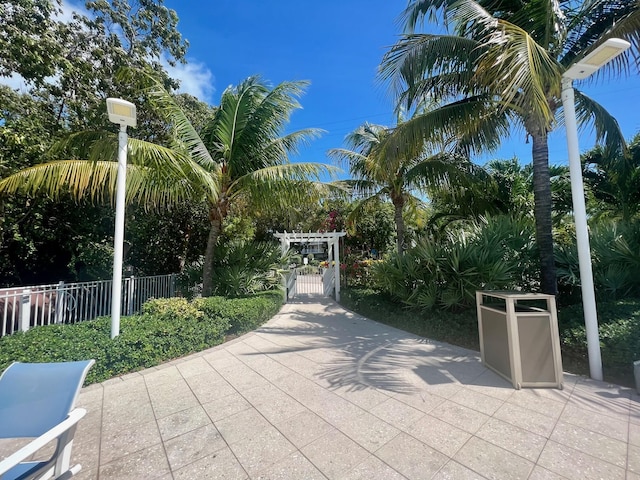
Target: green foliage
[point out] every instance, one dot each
(244, 268)
(615, 249)
(619, 330)
(166, 329)
(497, 253)
(614, 180)
(243, 314)
(163, 242)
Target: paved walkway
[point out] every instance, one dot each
(319, 392)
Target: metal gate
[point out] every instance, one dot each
(309, 281)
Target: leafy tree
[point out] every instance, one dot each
(72, 64)
(614, 180)
(373, 227)
(69, 66)
(499, 64)
(240, 157)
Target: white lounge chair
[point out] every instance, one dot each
(37, 401)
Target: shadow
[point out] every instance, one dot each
(355, 353)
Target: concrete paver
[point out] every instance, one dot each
(321, 393)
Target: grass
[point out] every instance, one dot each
(619, 329)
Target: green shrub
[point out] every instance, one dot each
(166, 329)
(615, 249)
(619, 330)
(244, 314)
(245, 268)
(497, 253)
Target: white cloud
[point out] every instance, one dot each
(195, 79)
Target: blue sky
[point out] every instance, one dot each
(338, 45)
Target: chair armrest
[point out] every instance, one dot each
(32, 447)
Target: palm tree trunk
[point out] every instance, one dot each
(398, 204)
(207, 268)
(542, 211)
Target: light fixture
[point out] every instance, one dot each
(122, 113)
(602, 55)
(606, 52)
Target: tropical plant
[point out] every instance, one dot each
(494, 253)
(614, 180)
(246, 268)
(615, 248)
(382, 173)
(241, 156)
(504, 188)
(500, 63)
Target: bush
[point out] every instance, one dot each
(615, 248)
(498, 253)
(244, 314)
(166, 329)
(619, 329)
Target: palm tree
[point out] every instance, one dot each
(401, 176)
(241, 156)
(500, 65)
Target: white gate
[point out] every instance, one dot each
(310, 281)
(304, 280)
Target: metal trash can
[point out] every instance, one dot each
(518, 341)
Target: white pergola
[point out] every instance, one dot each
(332, 239)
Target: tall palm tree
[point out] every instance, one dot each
(242, 155)
(402, 176)
(500, 64)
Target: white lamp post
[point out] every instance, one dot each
(580, 70)
(122, 113)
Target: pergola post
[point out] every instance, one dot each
(336, 256)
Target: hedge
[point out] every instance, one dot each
(166, 329)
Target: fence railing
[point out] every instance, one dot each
(24, 307)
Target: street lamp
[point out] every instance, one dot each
(122, 113)
(580, 70)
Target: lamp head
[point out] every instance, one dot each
(121, 112)
(602, 55)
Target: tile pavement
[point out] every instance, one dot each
(321, 393)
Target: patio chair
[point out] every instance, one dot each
(36, 401)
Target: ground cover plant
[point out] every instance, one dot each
(164, 330)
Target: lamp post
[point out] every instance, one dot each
(122, 113)
(580, 70)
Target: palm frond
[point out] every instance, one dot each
(186, 136)
(607, 129)
(520, 72)
(96, 181)
(430, 66)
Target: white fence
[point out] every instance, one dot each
(24, 307)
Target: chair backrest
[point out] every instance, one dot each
(34, 397)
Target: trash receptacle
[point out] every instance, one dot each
(518, 341)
